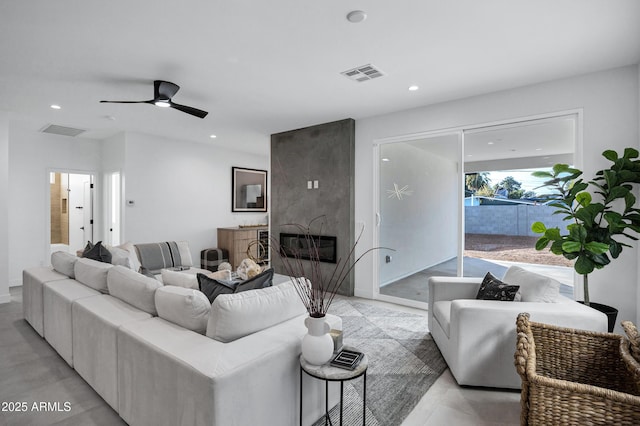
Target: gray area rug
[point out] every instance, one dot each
(404, 362)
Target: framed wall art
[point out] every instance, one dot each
(249, 190)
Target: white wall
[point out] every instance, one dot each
(182, 191)
(420, 226)
(31, 156)
(609, 100)
(4, 208)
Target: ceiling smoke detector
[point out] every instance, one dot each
(363, 73)
(55, 129)
(356, 16)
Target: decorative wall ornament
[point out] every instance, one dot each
(399, 192)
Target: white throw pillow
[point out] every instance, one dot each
(64, 263)
(186, 307)
(119, 256)
(92, 273)
(134, 262)
(237, 315)
(179, 279)
(533, 287)
(185, 253)
(133, 288)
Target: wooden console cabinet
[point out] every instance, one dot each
(236, 241)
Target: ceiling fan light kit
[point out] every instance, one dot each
(163, 92)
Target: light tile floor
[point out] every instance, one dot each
(447, 403)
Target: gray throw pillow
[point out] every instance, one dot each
(213, 288)
(98, 252)
(262, 280)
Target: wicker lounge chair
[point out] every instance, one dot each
(575, 377)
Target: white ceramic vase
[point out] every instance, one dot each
(317, 344)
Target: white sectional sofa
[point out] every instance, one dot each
(477, 338)
(163, 355)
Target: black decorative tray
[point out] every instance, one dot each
(347, 359)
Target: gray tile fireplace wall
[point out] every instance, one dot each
(320, 157)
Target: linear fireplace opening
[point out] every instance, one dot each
(301, 246)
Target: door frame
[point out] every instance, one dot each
(47, 210)
(376, 207)
(578, 153)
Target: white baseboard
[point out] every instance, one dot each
(5, 298)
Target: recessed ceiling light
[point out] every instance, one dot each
(356, 16)
(469, 155)
(490, 143)
(413, 88)
(212, 136)
(385, 160)
(538, 149)
(54, 106)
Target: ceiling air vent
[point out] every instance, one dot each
(363, 73)
(62, 130)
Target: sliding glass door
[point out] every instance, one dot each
(419, 214)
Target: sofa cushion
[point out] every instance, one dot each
(186, 307)
(119, 256)
(180, 279)
(442, 314)
(133, 288)
(237, 315)
(98, 252)
(92, 273)
(64, 263)
(533, 287)
(492, 288)
(134, 263)
(167, 254)
(184, 253)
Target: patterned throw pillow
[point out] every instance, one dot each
(494, 289)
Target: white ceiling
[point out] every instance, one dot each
(261, 67)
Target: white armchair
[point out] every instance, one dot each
(477, 338)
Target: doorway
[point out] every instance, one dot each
(71, 211)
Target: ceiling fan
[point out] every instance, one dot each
(163, 91)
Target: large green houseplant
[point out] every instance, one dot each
(600, 210)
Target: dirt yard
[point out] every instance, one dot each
(510, 248)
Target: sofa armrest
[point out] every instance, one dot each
(487, 329)
(451, 288)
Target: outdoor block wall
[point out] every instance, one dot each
(510, 220)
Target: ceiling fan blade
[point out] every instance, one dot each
(189, 110)
(128, 102)
(164, 90)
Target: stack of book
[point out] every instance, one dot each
(347, 359)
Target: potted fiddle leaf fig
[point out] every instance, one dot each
(601, 212)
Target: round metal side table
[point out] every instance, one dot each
(329, 373)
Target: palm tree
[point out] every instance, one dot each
(476, 181)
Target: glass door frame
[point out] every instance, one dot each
(578, 115)
(377, 206)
